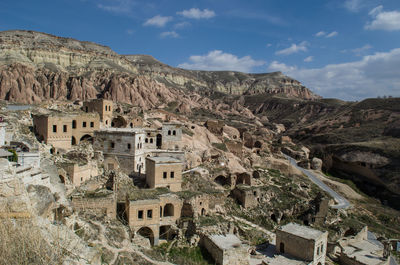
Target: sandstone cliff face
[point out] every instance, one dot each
(36, 67)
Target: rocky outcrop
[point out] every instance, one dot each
(36, 67)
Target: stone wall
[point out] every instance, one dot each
(105, 205)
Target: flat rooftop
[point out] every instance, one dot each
(226, 241)
(123, 130)
(164, 159)
(365, 252)
(301, 231)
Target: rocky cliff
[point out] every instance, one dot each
(36, 67)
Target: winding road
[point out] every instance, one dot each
(342, 203)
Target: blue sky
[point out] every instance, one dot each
(348, 49)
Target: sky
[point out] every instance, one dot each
(347, 49)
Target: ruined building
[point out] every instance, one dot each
(101, 106)
(62, 131)
(164, 172)
(154, 218)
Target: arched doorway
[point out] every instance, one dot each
(168, 210)
(119, 122)
(221, 180)
(73, 140)
(147, 233)
(159, 141)
(62, 179)
(203, 211)
(87, 138)
(282, 247)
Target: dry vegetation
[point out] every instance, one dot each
(21, 242)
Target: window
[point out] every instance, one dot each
(91, 124)
(54, 128)
(322, 249)
(131, 124)
(140, 214)
(318, 251)
(74, 124)
(151, 140)
(84, 124)
(169, 132)
(106, 108)
(106, 122)
(149, 214)
(87, 109)
(64, 128)
(146, 140)
(164, 175)
(174, 132)
(172, 174)
(138, 146)
(129, 146)
(112, 145)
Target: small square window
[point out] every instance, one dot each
(84, 124)
(172, 174)
(149, 214)
(54, 128)
(64, 128)
(140, 214)
(164, 175)
(91, 124)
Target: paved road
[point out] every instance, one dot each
(342, 203)
(393, 261)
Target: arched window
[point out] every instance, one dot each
(169, 132)
(174, 132)
(151, 140)
(129, 146)
(146, 140)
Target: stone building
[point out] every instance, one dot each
(170, 137)
(78, 174)
(196, 206)
(154, 218)
(63, 131)
(100, 204)
(164, 172)
(226, 249)
(361, 250)
(246, 196)
(124, 144)
(302, 242)
(103, 107)
(130, 146)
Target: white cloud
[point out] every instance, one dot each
(119, 7)
(359, 51)
(130, 31)
(309, 59)
(170, 34)
(372, 76)
(218, 60)
(157, 21)
(326, 35)
(384, 20)
(269, 45)
(332, 34)
(197, 13)
(294, 48)
(181, 25)
(353, 5)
